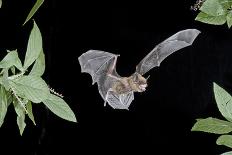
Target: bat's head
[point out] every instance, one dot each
(140, 83)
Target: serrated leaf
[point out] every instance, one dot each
(212, 125)
(11, 59)
(224, 102)
(3, 104)
(213, 8)
(227, 153)
(39, 66)
(225, 140)
(30, 87)
(34, 46)
(208, 19)
(30, 112)
(20, 116)
(229, 19)
(34, 10)
(59, 107)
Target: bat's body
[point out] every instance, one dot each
(126, 84)
(118, 91)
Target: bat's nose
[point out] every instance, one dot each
(143, 87)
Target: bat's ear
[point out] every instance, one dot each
(135, 77)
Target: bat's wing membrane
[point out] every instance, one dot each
(120, 101)
(174, 43)
(97, 64)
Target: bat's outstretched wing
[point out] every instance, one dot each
(174, 43)
(99, 65)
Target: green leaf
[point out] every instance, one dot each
(227, 153)
(225, 140)
(212, 125)
(33, 10)
(224, 102)
(39, 66)
(11, 59)
(226, 4)
(30, 113)
(9, 98)
(229, 19)
(3, 104)
(34, 46)
(213, 8)
(21, 123)
(30, 87)
(208, 19)
(20, 116)
(5, 81)
(59, 107)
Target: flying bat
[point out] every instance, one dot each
(118, 91)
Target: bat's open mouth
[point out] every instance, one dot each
(142, 87)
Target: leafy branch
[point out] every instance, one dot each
(21, 84)
(216, 12)
(217, 126)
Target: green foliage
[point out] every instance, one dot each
(3, 104)
(34, 46)
(30, 113)
(217, 126)
(20, 111)
(32, 87)
(224, 101)
(213, 125)
(216, 12)
(227, 153)
(58, 106)
(229, 19)
(11, 59)
(215, 20)
(34, 10)
(39, 66)
(225, 140)
(23, 88)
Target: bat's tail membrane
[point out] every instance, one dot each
(121, 101)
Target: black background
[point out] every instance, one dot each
(159, 120)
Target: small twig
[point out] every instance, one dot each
(197, 5)
(16, 76)
(19, 100)
(54, 92)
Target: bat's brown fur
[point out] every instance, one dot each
(133, 83)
